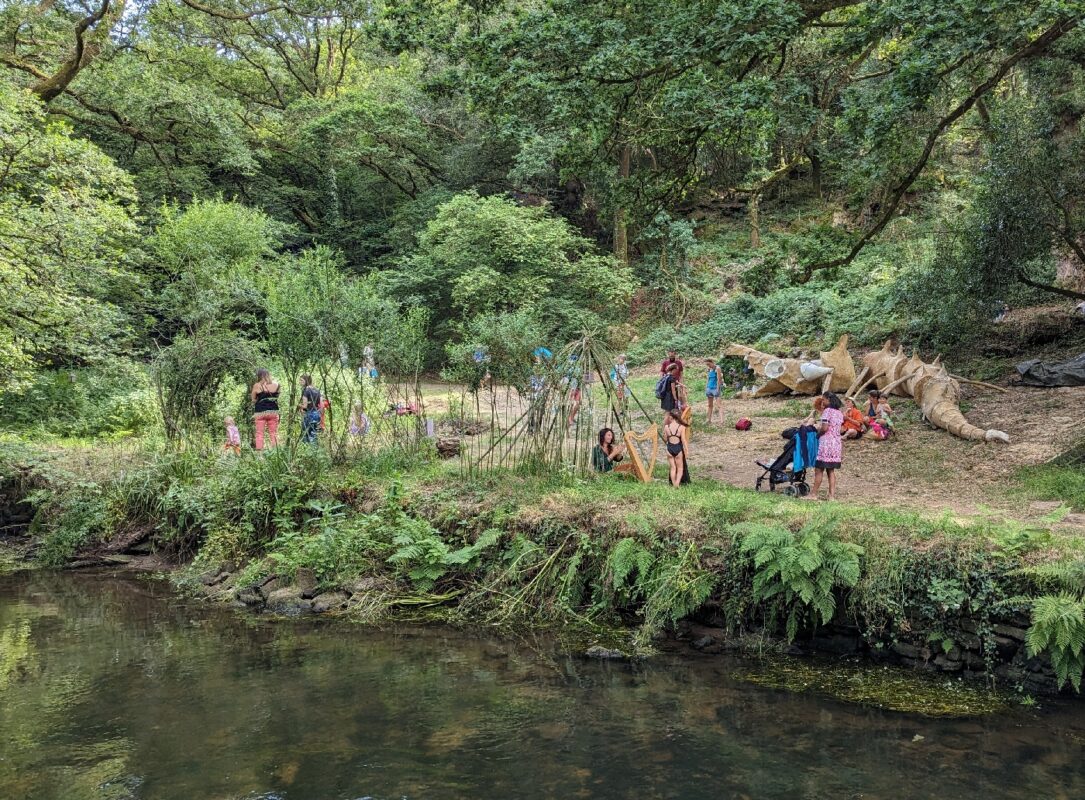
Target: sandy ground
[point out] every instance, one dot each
(922, 467)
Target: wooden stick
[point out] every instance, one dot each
(980, 383)
(891, 386)
(855, 382)
(870, 381)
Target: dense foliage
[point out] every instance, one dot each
(906, 163)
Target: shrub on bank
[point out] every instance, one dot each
(508, 550)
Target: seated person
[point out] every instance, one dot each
(882, 424)
(875, 398)
(606, 455)
(855, 423)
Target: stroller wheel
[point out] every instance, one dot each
(804, 489)
(793, 491)
(757, 486)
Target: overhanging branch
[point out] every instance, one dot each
(1032, 49)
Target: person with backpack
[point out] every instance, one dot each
(670, 391)
(310, 409)
(672, 359)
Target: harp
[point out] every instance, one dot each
(642, 449)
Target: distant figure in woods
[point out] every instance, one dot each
(536, 391)
(265, 406)
(573, 378)
(671, 359)
(310, 410)
(713, 387)
(369, 363)
(233, 437)
(607, 453)
(619, 376)
(359, 421)
(675, 436)
(830, 447)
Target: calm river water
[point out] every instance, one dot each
(116, 688)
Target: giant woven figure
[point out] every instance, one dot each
(935, 391)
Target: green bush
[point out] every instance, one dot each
(795, 574)
(1058, 627)
(112, 399)
(807, 316)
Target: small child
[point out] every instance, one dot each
(359, 421)
(882, 426)
(233, 437)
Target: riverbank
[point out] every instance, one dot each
(710, 567)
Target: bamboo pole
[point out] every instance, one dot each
(1002, 389)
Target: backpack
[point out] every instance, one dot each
(662, 387)
(743, 425)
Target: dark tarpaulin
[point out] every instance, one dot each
(1045, 373)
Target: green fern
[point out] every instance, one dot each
(628, 558)
(1067, 575)
(1058, 627)
(675, 588)
(797, 573)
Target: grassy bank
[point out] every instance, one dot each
(397, 530)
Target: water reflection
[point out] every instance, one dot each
(118, 689)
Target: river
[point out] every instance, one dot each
(114, 687)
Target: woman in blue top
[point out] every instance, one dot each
(712, 390)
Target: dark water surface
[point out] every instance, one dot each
(116, 688)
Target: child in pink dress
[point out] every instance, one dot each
(830, 446)
(233, 437)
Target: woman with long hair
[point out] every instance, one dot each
(265, 406)
(608, 452)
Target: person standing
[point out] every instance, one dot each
(233, 437)
(676, 438)
(369, 363)
(672, 358)
(830, 446)
(310, 410)
(713, 387)
(536, 395)
(619, 376)
(265, 406)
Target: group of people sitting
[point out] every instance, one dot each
(877, 419)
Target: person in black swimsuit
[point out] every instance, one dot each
(265, 406)
(675, 435)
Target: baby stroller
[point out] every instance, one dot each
(780, 470)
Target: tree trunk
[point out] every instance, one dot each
(815, 171)
(621, 222)
(755, 220)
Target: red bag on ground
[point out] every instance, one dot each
(743, 425)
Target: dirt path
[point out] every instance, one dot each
(922, 467)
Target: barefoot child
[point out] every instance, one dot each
(233, 437)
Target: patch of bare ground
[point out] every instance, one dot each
(922, 467)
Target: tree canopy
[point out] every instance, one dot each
(546, 157)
